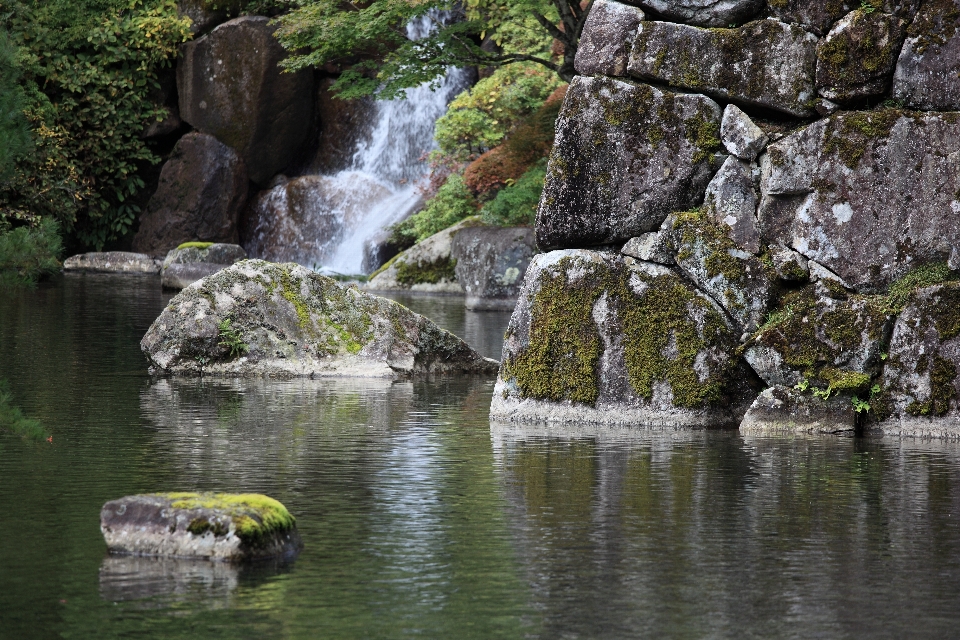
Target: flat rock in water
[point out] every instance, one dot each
(783, 411)
(112, 262)
(607, 38)
(215, 526)
(491, 262)
(765, 63)
(597, 337)
(257, 318)
(867, 194)
(626, 156)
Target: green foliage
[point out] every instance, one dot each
(88, 69)
(14, 132)
(330, 31)
(231, 339)
(29, 252)
(453, 203)
(516, 204)
(479, 118)
(923, 276)
(12, 419)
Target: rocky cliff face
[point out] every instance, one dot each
(750, 197)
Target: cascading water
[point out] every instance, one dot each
(327, 221)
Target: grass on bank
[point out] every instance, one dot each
(13, 420)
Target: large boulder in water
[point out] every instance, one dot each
(490, 263)
(765, 63)
(258, 318)
(213, 526)
(625, 157)
(202, 189)
(598, 337)
(867, 194)
(195, 260)
(231, 87)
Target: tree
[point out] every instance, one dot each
(384, 54)
(14, 132)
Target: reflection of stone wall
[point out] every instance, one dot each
(688, 534)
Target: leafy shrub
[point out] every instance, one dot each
(516, 204)
(12, 419)
(453, 203)
(29, 252)
(481, 117)
(13, 125)
(88, 69)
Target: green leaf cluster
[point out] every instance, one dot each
(29, 252)
(14, 132)
(516, 205)
(453, 203)
(12, 418)
(479, 118)
(89, 67)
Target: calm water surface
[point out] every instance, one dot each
(421, 519)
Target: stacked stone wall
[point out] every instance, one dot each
(795, 164)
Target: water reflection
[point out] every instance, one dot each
(707, 534)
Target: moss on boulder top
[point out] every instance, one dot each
(264, 319)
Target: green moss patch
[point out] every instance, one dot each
(255, 517)
(195, 245)
(410, 273)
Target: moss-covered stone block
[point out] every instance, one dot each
(926, 76)
(765, 63)
(214, 526)
(626, 155)
(285, 320)
(600, 337)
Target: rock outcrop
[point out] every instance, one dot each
(926, 76)
(764, 63)
(490, 263)
(213, 526)
(257, 318)
(195, 260)
(202, 188)
(428, 266)
(231, 87)
(625, 157)
(113, 262)
(598, 337)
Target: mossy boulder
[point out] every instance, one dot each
(491, 262)
(823, 337)
(743, 284)
(704, 13)
(626, 155)
(206, 14)
(787, 411)
(820, 15)
(920, 384)
(607, 38)
(867, 194)
(599, 337)
(258, 318)
(231, 87)
(765, 63)
(192, 261)
(202, 189)
(926, 75)
(215, 526)
(428, 266)
(857, 58)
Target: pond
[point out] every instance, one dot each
(421, 519)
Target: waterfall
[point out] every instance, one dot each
(381, 186)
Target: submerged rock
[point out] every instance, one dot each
(231, 87)
(601, 338)
(782, 411)
(765, 63)
(112, 262)
(867, 194)
(926, 75)
(704, 13)
(491, 262)
(202, 189)
(257, 318)
(857, 58)
(625, 156)
(920, 383)
(216, 526)
(428, 266)
(606, 39)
